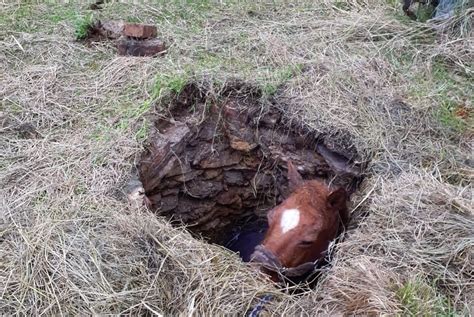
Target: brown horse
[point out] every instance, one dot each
(301, 227)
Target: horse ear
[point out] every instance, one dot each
(338, 200)
(294, 177)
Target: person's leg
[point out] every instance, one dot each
(445, 9)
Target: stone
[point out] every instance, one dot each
(234, 178)
(109, 29)
(169, 203)
(139, 31)
(207, 131)
(212, 173)
(230, 198)
(220, 160)
(187, 176)
(171, 191)
(134, 190)
(241, 138)
(338, 162)
(162, 160)
(179, 169)
(263, 180)
(270, 119)
(131, 47)
(204, 189)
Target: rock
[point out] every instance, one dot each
(131, 47)
(252, 162)
(204, 188)
(226, 158)
(190, 209)
(152, 201)
(234, 178)
(168, 203)
(241, 145)
(179, 169)
(263, 181)
(107, 29)
(171, 191)
(241, 136)
(161, 159)
(212, 173)
(187, 176)
(338, 162)
(135, 191)
(270, 119)
(207, 131)
(112, 29)
(139, 31)
(230, 198)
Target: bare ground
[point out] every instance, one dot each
(73, 119)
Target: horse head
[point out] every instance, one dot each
(302, 226)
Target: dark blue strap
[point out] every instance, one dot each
(255, 312)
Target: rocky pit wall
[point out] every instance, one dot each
(215, 165)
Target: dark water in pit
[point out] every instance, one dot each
(243, 240)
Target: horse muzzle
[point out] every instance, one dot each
(269, 261)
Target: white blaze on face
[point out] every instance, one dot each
(290, 218)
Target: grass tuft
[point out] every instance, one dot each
(168, 83)
(420, 299)
(83, 25)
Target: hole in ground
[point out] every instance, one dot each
(218, 163)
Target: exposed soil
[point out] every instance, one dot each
(219, 164)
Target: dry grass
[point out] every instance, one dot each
(73, 118)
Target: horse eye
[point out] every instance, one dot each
(305, 243)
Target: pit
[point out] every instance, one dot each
(218, 164)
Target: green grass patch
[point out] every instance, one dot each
(32, 18)
(447, 115)
(142, 133)
(272, 79)
(130, 114)
(82, 26)
(18, 18)
(445, 89)
(61, 13)
(133, 19)
(449, 93)
(168, 83)
(421, 299)
(102, 132)
(424, 13)
(342, 5)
